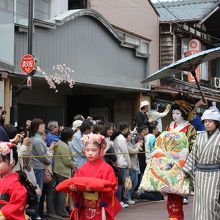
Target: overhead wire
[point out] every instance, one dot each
(165, 7)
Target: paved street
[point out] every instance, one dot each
(151, 211)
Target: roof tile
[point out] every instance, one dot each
(185, 10)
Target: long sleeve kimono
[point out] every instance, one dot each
(175, 202)
(93, 209)
(13, 196)
(203, 165)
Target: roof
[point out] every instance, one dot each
(185, 10)
(72, 14)
(152, 5)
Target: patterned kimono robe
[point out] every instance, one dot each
(203, 165)
(175, 202)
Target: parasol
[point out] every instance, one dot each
(189, 64)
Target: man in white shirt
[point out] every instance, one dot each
(154, 115)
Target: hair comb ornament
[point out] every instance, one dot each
(94, 139)
(6, 148)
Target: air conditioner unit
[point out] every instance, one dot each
(216, 82)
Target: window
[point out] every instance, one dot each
(7, 31)
(42, 9)
(77, 4)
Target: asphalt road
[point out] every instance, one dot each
(150, 210)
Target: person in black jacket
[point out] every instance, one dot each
(141, 117)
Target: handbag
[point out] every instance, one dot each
(31, 176)
(127, 183)
(48, 177)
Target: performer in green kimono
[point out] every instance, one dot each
(203, 165)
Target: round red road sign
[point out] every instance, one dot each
(27, 63)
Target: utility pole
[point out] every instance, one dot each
(16, 90)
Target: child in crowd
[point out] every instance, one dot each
(89, 204)
(150, 138)
(13, 195)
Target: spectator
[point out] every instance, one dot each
(109, 151)
(39, 148)
(141, 117)
(135, 168)
(78, 117)
(51, 139)
(97, 129)
(139, 136)
(63, 169)
(154, 115)
(76, 125)
(77, 145)
(107, 133)
(123, 159)
(53, 134)
(150, 139)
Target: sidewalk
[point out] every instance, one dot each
(155, 210)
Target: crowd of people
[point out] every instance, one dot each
(50, 155)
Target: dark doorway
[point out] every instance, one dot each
(97, 106)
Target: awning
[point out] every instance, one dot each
(194, 94)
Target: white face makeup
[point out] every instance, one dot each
(177, 116)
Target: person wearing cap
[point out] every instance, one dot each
(76, 125)
(203, 166)
(141, 117)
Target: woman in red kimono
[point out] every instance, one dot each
(179, 124)
(94, 205)
(13, 194)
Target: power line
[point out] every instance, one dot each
(164, 6)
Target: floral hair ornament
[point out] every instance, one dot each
(186, 104)
(94, 139)
(6, 148)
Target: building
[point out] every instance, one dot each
(184, 23)
(109, 59)
(186, 27)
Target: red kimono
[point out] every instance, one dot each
(175, 202)
(13, 197)
(86, 208)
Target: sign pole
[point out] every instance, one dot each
(30, 26)
(16, 90)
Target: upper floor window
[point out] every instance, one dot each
(42, 9)
(77, 4)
